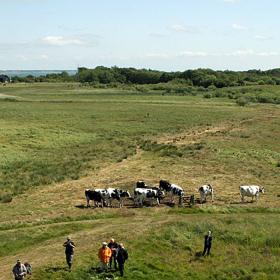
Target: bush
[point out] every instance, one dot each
(6, 198)
(212, 87)
(207, 95)
(242, 101)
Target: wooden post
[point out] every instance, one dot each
(192, 202)
(181, 201)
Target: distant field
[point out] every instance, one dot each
(58, 139)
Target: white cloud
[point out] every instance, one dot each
(249, 52)
(197, 54)
(241, 53)
(238, 26)
(262, 37)
(193, 53)
(158, 55)
(268, 54)
(61, 41)
(44, 56)
(183, 28)
(179, 28)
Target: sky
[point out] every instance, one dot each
(169, 35)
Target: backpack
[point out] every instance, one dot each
(28, 268)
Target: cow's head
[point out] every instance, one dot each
(141, 184)
(117, 193)
(164, 185)
(261, 189)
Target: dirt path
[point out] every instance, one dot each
(189, 137)
(9, 96)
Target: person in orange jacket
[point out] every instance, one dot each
(104, 255)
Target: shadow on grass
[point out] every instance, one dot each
(100, 274)
(240, 202)
(197, 257)
(56, 269)
(81, 206)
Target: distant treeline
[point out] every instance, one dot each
(200, 77)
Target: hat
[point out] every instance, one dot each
(68, 238)
(104, 243)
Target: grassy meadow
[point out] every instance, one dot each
(58, 139)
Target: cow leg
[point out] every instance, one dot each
(135, 202)
(88, 202)
(141, 200)
(202, 198)
(157, 201)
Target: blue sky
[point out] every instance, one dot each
(158, 34)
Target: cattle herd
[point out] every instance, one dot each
(155, 194)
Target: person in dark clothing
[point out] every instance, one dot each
(207, 243)
(113, 246)
(122, 256)
(69, 251)
(19, 271)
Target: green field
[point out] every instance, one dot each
(58, 139)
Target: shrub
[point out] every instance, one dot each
(6, 198)
(242, 101)
(207, 95)
(212, 87)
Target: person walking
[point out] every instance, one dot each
(113, 246)
(104, 255)
(19, 270)
(207, 243)
(69, 251)
(121, 256)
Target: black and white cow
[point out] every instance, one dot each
(106, 196)
(97, 196)
(172, 189)
(251, 191)
(116, 194)
(123, 196)
(204, 191)
(145, 194)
